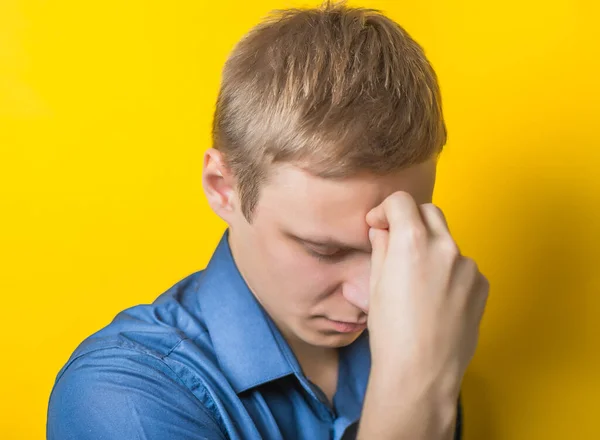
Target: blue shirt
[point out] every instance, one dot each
(203, 361)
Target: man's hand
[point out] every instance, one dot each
(425, 306)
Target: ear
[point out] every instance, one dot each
(218, 184)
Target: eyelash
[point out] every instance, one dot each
(327, 258)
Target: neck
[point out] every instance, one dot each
(318, 364)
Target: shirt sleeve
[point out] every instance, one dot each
(130, 396)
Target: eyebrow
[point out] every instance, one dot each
(330, 243)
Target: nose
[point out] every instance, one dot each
(356, 287)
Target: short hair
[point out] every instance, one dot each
(335, 90)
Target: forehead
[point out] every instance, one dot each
(306, 204)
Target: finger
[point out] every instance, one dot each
(379, 243)
(435, 220)
(398, 209)
(482, 291)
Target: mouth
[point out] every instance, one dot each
(347, 327)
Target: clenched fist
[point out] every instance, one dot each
(426, 303)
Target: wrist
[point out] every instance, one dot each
(441, 383)
(430, 398)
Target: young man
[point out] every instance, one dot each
(326, 134)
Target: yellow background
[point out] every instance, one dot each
(105, 111)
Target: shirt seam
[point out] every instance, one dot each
(208, 395)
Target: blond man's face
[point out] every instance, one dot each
(306, 254)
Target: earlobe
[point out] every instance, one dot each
(217, 182)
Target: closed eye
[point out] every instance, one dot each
(329, 256)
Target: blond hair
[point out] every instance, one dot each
(335, 90)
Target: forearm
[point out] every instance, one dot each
(411, 409)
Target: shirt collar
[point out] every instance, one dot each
(247, 344)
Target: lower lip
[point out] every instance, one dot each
(347, 327)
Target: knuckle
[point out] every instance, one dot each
(433, 208)
(441, 214)
(470, 266)
(485, 282)
(400, 197)
(395, 204)
(415, 234)
(436, 217)
(485, 285)
(428, 210)
(439, 211)
(449, 248)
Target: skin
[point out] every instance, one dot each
(425, 306)
(306, 255)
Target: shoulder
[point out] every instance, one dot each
(120, 393)
(154, 329)
(148, 371)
